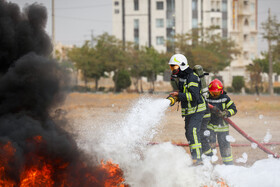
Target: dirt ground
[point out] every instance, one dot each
(257, 116)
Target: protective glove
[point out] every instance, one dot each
(223, 114)
(215, 110)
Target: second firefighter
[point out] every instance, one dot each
(223, 107)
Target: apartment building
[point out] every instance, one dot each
(152, 22)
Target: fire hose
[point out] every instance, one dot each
(232, 144)
(259, 145)
(248, 137)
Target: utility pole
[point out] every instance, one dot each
(270, 71)
(53, 30)
(91, 38)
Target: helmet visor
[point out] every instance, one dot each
(173, 67)
(214, 94)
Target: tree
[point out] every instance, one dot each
(206, 59)
(238, 83)
(183, 45)
(208, 49)
(224, 48)
(122, 80)
(255, 69)
(264, 63)
(136, 65)
(271, 32)
(85, 60)
(109, 52)
(152, 63)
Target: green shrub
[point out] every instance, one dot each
(122, 81)
(78, 88)
(238, 83)
(229, 89)
(101, 89)
(249, 90)
(276, 90)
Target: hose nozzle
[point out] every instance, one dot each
(172, 99)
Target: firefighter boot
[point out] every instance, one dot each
(197, 162)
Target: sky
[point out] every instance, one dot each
(76, 21)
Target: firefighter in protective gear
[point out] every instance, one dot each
(192, 102)
(223, 108)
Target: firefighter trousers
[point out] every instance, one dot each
(205, 135)
(224, 145)
(192, 133)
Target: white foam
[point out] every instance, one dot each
(164, 165)
(262, 173)
(267, 137)
(243, 159)
(254, 145)
(229, 138)
(126, 139)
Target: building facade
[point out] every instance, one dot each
(153, 22)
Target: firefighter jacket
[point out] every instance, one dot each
(217, 123)
(189, 93)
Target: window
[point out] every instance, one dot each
(253, 7)
(170, 23)
(194, 23)
(194, 5)
(136, 4)
(117, 11)
(116, 3)
(252, 56)
(160, 40)
(252, 23)
(218, 22)
(159, 5)
(218, 6)
(252, 39)
(224, 6)
(276, 78)
(224, 23)
(212, 21)
(212, 6)
(136, 24)
(246, 22)
(136, 40)
(136, 31)
(159, 23)
(245, 37)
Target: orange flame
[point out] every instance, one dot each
(221, 183)
(40, 170)
(115, 173)
(7, 152)
(37, 177)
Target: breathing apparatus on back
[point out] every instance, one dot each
(204, 87)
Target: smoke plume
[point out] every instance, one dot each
(22, 32)
(30, 87)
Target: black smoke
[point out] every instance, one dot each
(31, 85)
(22, 32)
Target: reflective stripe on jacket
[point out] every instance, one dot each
(191, 99)
(223, 102)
